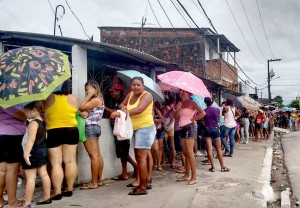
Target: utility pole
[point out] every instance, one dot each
(269, 79)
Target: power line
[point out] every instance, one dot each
(78, 20)
(200, 10)
(51, 7)
(181, 14)
(242, 32)
(252, 30)
(217, 51)
(187, 13)
(182, 11)
(262, 22)
(210, 22)
(153, 13)
(165, 13)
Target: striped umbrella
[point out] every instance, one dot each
(249, 103)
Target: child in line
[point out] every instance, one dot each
(35, 153)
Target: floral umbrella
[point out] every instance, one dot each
(249, 103)
(31, 73)
(185, 81)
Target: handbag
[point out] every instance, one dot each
(123, 126)
(81, 127)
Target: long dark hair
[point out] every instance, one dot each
(207, 101)
(138, 78)
(66, 88)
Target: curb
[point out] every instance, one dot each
(285, 199)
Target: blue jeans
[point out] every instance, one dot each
(224, 132)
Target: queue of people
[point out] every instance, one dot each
(159, 132)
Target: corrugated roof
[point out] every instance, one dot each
(65, 44)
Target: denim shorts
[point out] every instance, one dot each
(143, 138)
(92, 131)
(212, 132)
(188, 131)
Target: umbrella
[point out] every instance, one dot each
(150, 85)
(31, 73)
(285, 108)
(236, 102)
(201, 103)
(185, 81)
(249, 103)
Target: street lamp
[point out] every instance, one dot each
(269, 78)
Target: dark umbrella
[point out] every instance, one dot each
(31, 73)
(232, 97)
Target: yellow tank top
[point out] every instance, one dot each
(61, 114)
(143, 119)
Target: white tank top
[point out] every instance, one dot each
(229, 118)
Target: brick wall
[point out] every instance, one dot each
(163, 44)
(217, 70)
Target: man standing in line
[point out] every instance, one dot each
(122, 146)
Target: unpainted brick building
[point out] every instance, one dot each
(194, 49)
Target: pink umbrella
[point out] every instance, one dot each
(185, 81)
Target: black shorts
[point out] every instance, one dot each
(38, 158)
(188, 131)
(10, 148)
(122, 147)
(59, 136)
(212, 132)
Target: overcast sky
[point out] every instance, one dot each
(280, 18)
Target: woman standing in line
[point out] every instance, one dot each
(212, 134)
(12, 129)
(62, 140)
(187, 109)
(158, 144)
(245, 123)
(139, 104)
(92, 108)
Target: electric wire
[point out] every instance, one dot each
(242, 33)
(51, 7)
(182, 11)
(187, 13)
(180, 14)
(252, 30)
(200, 11)
(262, 22)
(165, 13)
(217, 52)
(77, 20)
(55, 17)
(154, 13)
(210, 22)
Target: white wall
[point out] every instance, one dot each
(112, 165)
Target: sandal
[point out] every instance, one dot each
(22, 204)
(225, 169)
(87, 187)
(182, 179)
(205, 162)
(191, 182)
(136, 192)
(132, 186)
(211, 169)
(226, 154)
(3, 203)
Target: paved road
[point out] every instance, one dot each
(232, 189)
(291, 148)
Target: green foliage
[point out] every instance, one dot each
(294, 104)
(279, 100)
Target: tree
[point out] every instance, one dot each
(294, 104)
(279, 100)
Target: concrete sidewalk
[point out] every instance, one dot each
(246, 185)
(291, 148)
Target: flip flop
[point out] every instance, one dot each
(131, 185)
(225, 169)
(191, 182)
(134, 192)
(3, 203)
(87, 187)
(119, 178)
(205, 162)
(182, 179)
(22, 203)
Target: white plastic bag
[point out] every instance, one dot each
(123, 126)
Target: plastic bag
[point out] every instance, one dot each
(123, 127)
(81, 127)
